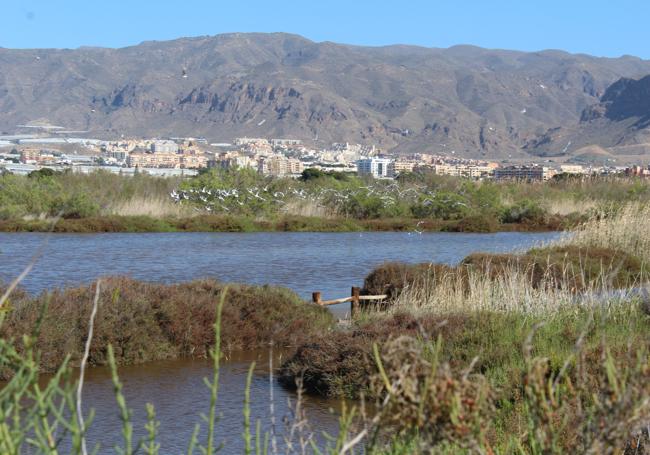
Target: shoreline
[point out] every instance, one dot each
(220, 223)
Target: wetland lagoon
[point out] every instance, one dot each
(302, 262)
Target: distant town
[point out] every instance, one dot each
(280, 157)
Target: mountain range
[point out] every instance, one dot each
(482, 103)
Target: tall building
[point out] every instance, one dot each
(377, 167)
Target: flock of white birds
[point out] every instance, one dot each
(229, 199)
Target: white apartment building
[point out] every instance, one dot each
(463, 170)
(377, 167)
(164, 147)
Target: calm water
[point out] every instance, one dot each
(305, 262)
(177, 390)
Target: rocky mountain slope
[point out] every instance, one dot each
(473, 101)
(617, 128)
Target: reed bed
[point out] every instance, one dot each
(564, 207)
(155, 206)
(603, 262)
(308, 208)
(511, 290)
(626, 229)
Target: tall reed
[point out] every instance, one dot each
(626, 229)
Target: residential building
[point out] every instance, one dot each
(164, 147)
(572, 169)
(279, 165)
(296, 166)
(472, 171)
(39, 156)
(377, 167)
(531, 173)
(637, 171)
(232, 161)
(193, 161)
(398, 167)
(162, 160)
(118, 154)
(30, 155)
(285, 142)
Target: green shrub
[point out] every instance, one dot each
(146, 321)
(524, 212)
(476, 223)
(442, 205)
(77, 205)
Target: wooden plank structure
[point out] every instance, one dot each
(355, 298)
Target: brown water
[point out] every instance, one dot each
(177, 391)
(304, 262)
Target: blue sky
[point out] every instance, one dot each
(597, 27)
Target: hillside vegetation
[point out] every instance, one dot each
(245, 201)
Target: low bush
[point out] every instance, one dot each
(146, 321)
(110, 224)
(392, 277)
(525, 211)
(565, 383)
(214, 223)
(475, 223)
(315, 224)
(341, 365)
(567, 267)
(588, 405)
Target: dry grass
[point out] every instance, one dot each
(563, 207)
(542, 281)
(626, 230)
(308, 208)
(606, 256)
(153, 206)
(512, 291)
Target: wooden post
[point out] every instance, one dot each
(355, 305)
(315, 297)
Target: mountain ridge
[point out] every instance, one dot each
(476, 102)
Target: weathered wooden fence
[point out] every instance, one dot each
(355, 298)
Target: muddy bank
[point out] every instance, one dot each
(226, 223)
